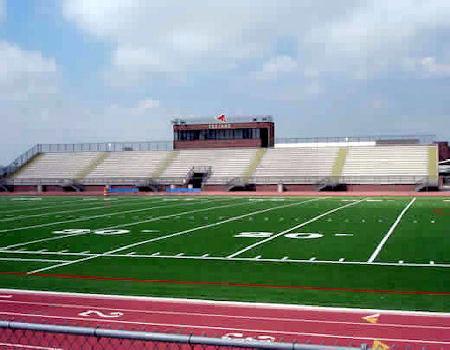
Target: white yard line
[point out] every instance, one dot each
(251, 246)
(389, 233)
(125, 203)
(86, 218)
(171, 235)
(123, 225)
(57, 204)
(205, 326)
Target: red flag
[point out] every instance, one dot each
(222, 118)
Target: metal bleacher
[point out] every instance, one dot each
(306, 164)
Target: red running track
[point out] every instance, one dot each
(327, 326)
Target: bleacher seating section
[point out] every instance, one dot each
(128, 164)
(225, 163)
(399, 164)
(56, 165)
(308, 163)
(357, 164)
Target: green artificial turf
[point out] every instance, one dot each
(300, 250)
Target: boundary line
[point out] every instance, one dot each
(251, 246)
(208, 257)
(31, 259)
(175, 234)
(230, 303)
(389, 233)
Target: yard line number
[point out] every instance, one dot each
(294, 235)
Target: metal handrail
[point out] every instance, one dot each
(164, 337)
(388, 179)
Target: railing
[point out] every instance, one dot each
(421, 139)
(21, 160)
(36, 335)
(316, 180)
(229, 119)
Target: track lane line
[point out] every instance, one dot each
(221, 328)
(66, 306)
(214, 303)
(25, 346)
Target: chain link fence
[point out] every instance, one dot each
(42, 336)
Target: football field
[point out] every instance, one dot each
(369, 252)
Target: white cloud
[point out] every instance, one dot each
(146, 105)
(276, 66)
(24, 74)
(433, 68)
(377, 36)
(169, 36)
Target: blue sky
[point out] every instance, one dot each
(100, 70)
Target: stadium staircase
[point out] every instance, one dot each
(430, 183)
(333, 182)
(165, 163)
(99, 159)
(72, 185)
(242, 182)
(3, 186)
(197, 176)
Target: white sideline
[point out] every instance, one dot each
(229, 303)
(205, 326)
(31, 259)
(172, 235)
(123, 225)
(221, 258)
(251, 246)
(389, 233)
(85, 218)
